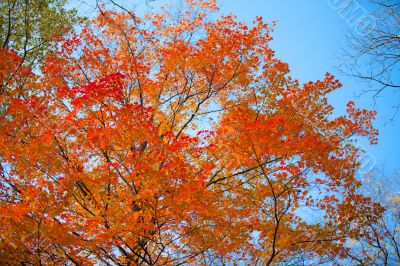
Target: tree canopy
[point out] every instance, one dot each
(29, 26)
(177, 137)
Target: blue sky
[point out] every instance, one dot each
(308, 36)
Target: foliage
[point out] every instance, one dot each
(29, 26)
(381, 244)
(175, 138)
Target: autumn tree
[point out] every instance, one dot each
(381, 245)
(175, 138)
(29, 26)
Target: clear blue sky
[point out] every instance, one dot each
(308, 36)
